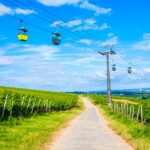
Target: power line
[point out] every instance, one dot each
(43, 29)
(61, 27)
(46, 20)
(79, 34)
(53, 14)
(17, 18)
(37, 15)
(142, 76)
(71, 32)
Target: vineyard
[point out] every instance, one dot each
(134, 108)
(22, 102)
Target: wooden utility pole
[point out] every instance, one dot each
(107, 53)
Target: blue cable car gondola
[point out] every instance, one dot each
(113, 67)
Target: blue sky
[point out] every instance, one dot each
(74, 65)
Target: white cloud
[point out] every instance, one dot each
(91, 27)
(7, 72)
(144, 44)
(73, 23)
(90, 21)
(68, 24)
(146, 36)
(80, 3)
(31, 68)
(5, 61)
(11, 11)
(85, 41)
(147, 70)
(111, 42)
(58, 2)
(79, 24)
(44, 52)
(104, 26)
(85, 60)
(24, 11)
(31, 53)
(55, 23)
(95, 8)
(5, 9)
(110, 34)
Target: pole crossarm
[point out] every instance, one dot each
(107, 52)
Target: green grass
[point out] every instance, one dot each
(136, 134)
(31, 133)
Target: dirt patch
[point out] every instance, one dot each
(124, 101)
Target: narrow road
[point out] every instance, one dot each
(90, 132)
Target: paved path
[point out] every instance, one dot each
(90, 132)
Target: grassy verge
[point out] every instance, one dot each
(31, 133)
(136, 134)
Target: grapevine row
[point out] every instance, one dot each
(16, 102)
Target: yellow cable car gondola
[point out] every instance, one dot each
(56, 36)
(22, 33)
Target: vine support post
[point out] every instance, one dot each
(28, 106)
(46, 105)
(142, 119)
(4, 107)
(49, 106)
(130, 111)
(133, 113)
(38, 104)
(127, 110)
(21, 106)
(12, 108)
(117, 108)
(33, 106)
(138, 113)
(121, 109)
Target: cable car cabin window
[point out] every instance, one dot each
(56, 41)
(22, 34)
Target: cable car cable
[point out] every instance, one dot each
(81, 35)
(53, 14)
(44, 19)
(63, 28)
(43, 29)
(142, 76)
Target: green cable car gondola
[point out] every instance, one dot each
(22, 33)
(56, 37)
